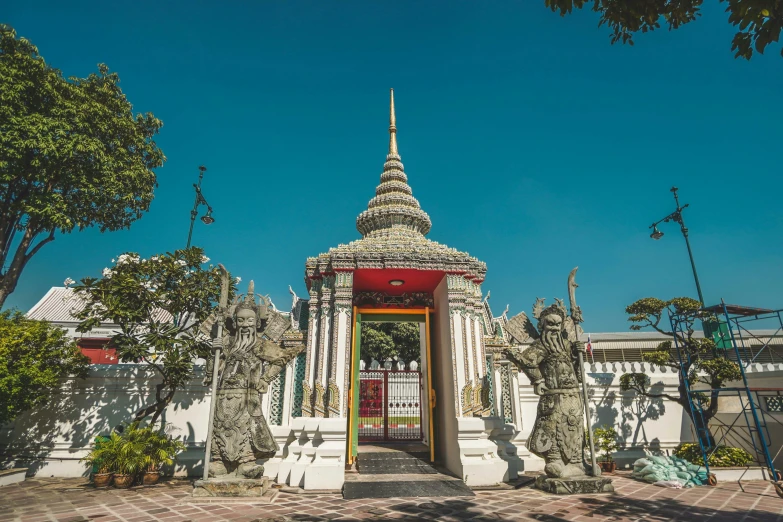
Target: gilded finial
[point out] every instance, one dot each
(392, 126)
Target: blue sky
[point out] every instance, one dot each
(532, 142)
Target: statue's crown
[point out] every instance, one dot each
(539, 311)
(248, 302)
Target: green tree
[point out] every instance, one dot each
(34, 357)
(702, 368)
(759, 22)
(72, 155)
(142, 296)
(381, 341)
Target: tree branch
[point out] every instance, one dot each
(662, 396)
(38, 247)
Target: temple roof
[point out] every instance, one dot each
(393, 229)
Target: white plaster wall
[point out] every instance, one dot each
(51, 440)
(643, 424)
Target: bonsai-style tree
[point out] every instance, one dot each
(34, 357)
(606, 441)
(759, 21)
(72, 155)
(702, 368)
(159, 304)
(381, 341)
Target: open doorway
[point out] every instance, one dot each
(390, 383)
(390, 380)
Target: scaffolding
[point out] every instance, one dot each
(728, 325)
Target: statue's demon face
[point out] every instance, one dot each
(246, 321)
(552, 323)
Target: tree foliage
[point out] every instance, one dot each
(758, 22)
(159, 304)
(701, 367)
(381, 341)
(34, 357)
(72, 155)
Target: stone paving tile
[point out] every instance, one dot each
(70, 500)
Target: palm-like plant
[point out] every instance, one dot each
(158, 448)
(104, 453)
(162, 449)
(130, 458)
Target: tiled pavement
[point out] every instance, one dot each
(69, 500)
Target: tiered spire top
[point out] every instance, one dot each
(393, 210)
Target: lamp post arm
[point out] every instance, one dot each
(193, 214)
(676, 216)
(199, 201)
(684, 231)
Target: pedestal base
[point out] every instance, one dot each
(574, 485)
(231, 487)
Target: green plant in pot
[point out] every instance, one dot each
(605, 439)
(159, 449)
(129, 461)
(102, 456)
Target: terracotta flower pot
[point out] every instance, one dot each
(151, 477)
(608, 467)
(123, 481)
(101, 480)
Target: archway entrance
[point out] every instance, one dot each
(390, 404)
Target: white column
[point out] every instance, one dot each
(479, 344)
(288, 392)
(469, 344)
(339, 378)
(459, 363)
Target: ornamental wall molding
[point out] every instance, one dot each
(385, 300)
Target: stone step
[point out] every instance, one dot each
(396, 455)
(447, 487)
(396, 469)
(393, 464)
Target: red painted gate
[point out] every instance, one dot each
(390, 405)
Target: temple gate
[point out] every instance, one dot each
(393, 273)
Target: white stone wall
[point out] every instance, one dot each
(643, 424)
(51, 440)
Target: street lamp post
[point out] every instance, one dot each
(676, 216)
(206, 218)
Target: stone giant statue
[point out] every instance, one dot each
(252, 358)
(553, 362)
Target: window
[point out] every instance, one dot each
(97, 350)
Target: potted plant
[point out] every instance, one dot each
(129, 460)
(605, 439)
(102, 457)
(160, 449)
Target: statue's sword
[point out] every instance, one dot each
(216, 366)
(576, 317)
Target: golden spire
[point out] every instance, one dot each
(393, 210)
(392, 127)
